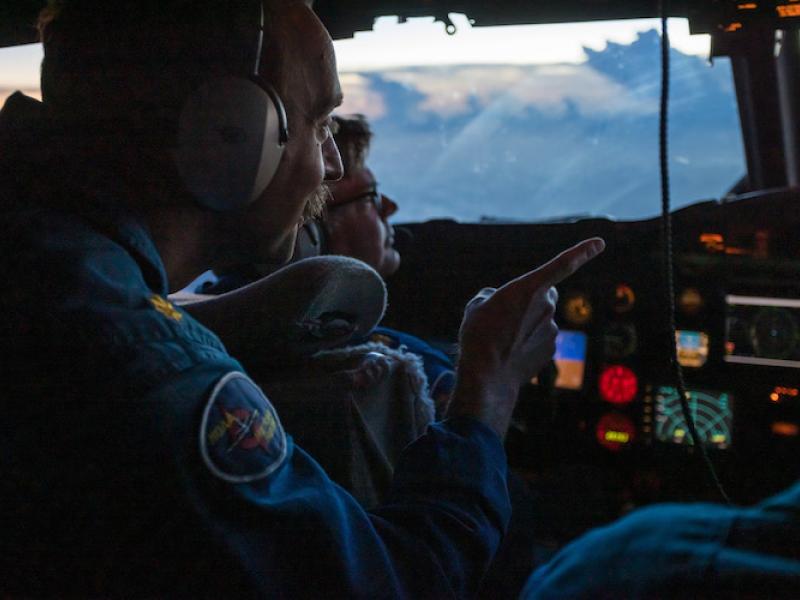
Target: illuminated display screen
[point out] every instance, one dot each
(762, 331)
(570, 359)
(712, 413)
(692, 348)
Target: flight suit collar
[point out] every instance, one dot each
(106, 211)
(79, 183)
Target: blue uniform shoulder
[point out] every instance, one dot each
(63, 260)
(81, 295)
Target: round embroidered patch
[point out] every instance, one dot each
(241, 437)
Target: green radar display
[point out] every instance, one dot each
(712, 413)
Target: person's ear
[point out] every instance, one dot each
(232, 129)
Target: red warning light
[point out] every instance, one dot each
(615, 431)
(618, 384)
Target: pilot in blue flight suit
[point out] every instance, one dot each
(138, 458)
(162, 469)
(683, 551)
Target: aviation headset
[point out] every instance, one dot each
(231, 134)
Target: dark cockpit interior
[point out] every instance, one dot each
(607, 423)
(602, 431)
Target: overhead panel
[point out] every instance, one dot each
(343, 19)
(17, 20)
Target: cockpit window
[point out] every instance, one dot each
(545, 122)
(19, 70)
(524, 123)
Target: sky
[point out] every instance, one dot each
(422, 41)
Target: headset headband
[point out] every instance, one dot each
(260, 42)
(283, 121)
(232, 132)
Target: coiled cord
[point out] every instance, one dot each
(666, 233)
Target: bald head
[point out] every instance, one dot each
(138, 61)
(134, 64)
(299, 48)
(298, 61)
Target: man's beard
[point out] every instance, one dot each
(245, 251)
(316, 203)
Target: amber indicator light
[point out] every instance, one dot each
(785, 429)
(691, 301)
(624, 298)
(615, 431)
(715, 242)
(788, 10)
(578, 309)
(781, 393)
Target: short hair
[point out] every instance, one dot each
(352, 135)
(124, 59)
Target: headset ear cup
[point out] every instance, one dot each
(320, 229)
(311, 240)
(229, 143)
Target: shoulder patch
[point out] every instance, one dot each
(241, 437)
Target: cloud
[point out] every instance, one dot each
(550, 88)
(359, 98)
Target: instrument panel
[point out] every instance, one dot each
(711, 411)
(609, 405)
(737, 311)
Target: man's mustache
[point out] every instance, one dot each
(316, 203)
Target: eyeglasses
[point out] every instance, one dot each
(373, 196)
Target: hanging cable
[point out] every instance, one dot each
(666, 236)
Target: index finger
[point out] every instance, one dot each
(562, 266)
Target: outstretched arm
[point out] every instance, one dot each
(508, 335)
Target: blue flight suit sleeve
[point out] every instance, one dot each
(291, 531)
(688, 550)
(298, 534)
(161, 470)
